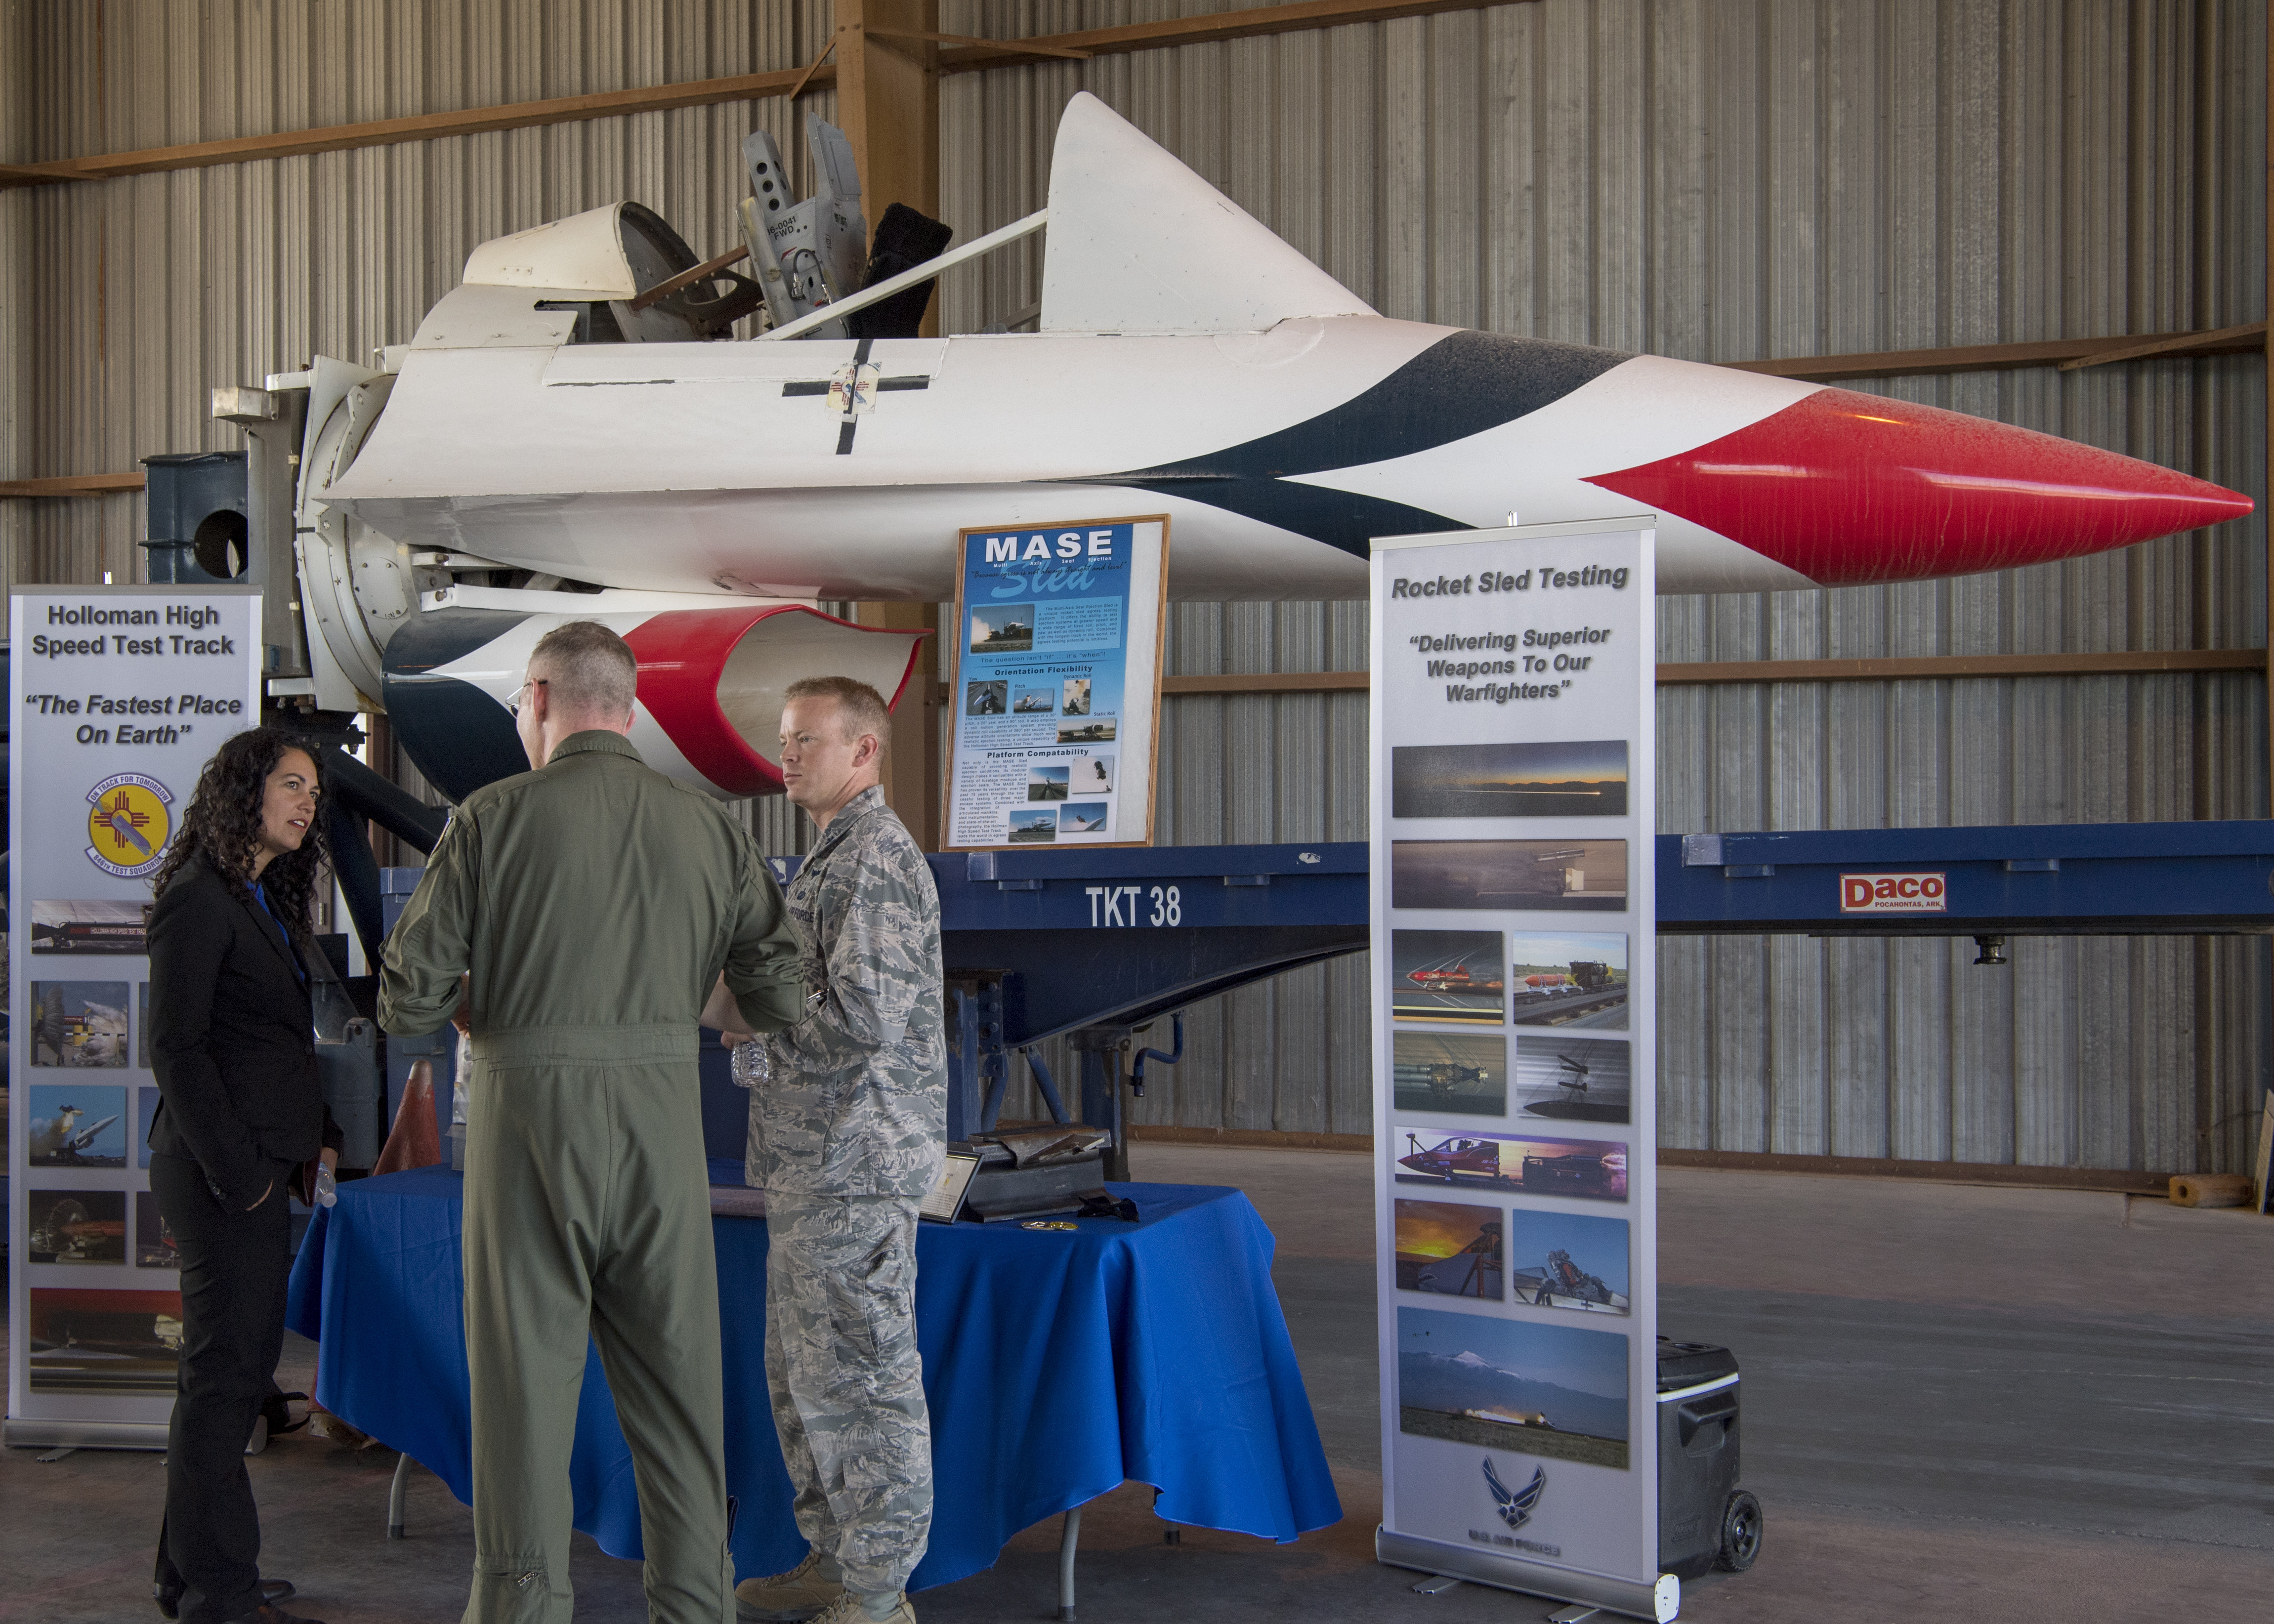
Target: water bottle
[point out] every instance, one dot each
(327, 1192)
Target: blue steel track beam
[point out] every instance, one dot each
(2056, 879)
(1122, 936)
(1107, 935)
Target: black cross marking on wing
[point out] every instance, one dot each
(845, 431)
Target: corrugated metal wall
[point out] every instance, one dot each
(1721, 182)
(1715, 181)
(16, 73)
(148, 289)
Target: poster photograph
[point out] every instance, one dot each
(1573, 1079)
(1548, 1390)
(79, 1023)
(72, 1126)
(1058, 646)
(1569, 1260)
(1449, 1249)
(1453, 977)
(75, 1226)
(1463, 1075)
(90, 925)
(1578, 980)
(1546, 876)
(1585, 777)
(1593, 1169)
(105, 1341)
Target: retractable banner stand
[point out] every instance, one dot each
(119, 696)
(1515, 997)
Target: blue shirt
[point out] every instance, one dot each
(260, 896)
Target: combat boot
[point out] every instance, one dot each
(849, 1608)
(789, 1598)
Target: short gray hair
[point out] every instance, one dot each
(588, 667)
(861, 708)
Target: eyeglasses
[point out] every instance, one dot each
(513, 705)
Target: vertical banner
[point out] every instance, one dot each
(118, 695)
(1054, 708)
(1514, 1015)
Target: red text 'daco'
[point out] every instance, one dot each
(1893, 893)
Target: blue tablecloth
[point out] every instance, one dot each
(1058, 1366)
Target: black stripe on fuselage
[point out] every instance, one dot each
(1463, 385)
(457, 735)
(1339, 518)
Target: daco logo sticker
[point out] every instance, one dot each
(128, 819)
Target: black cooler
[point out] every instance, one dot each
(1705, 1519)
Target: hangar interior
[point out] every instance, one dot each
(2047, 213)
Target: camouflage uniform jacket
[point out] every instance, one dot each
(854, 1102)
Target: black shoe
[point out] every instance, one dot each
(269, 1612)
(168, 1597)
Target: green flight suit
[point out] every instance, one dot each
(595, 903)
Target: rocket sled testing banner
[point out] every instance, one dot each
(1514, 983)
(120, 694)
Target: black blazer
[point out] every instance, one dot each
(231, 1038)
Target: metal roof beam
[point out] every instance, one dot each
(963, 58)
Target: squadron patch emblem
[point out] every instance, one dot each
(128, 821)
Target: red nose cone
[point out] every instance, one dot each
(1847, 488)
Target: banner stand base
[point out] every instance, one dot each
(1659, 1603)
(22, 1434)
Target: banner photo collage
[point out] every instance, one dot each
(1056, 701)
(119, 695)
(1514, 966)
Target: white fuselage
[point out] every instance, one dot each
(688, 468)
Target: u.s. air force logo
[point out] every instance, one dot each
(129, 818)
(1516, 1505)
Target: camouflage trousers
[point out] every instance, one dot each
(847, 1381)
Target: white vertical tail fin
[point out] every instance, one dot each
(1139, 244)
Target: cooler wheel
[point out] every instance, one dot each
(1740, 1532)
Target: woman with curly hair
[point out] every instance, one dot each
(232, 1043)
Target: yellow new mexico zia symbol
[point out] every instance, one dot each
(127, 824)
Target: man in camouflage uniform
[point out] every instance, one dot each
(595, 903)
(848, 1111)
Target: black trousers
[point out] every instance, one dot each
(234, 1269)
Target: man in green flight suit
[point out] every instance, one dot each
(595, 904)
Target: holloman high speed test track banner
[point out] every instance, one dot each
(119, 695)
(1514, 1005)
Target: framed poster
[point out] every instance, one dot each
(119, 695)
(1514, 1013)
(1054, 700)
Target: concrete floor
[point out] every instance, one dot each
(1960, 1402)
